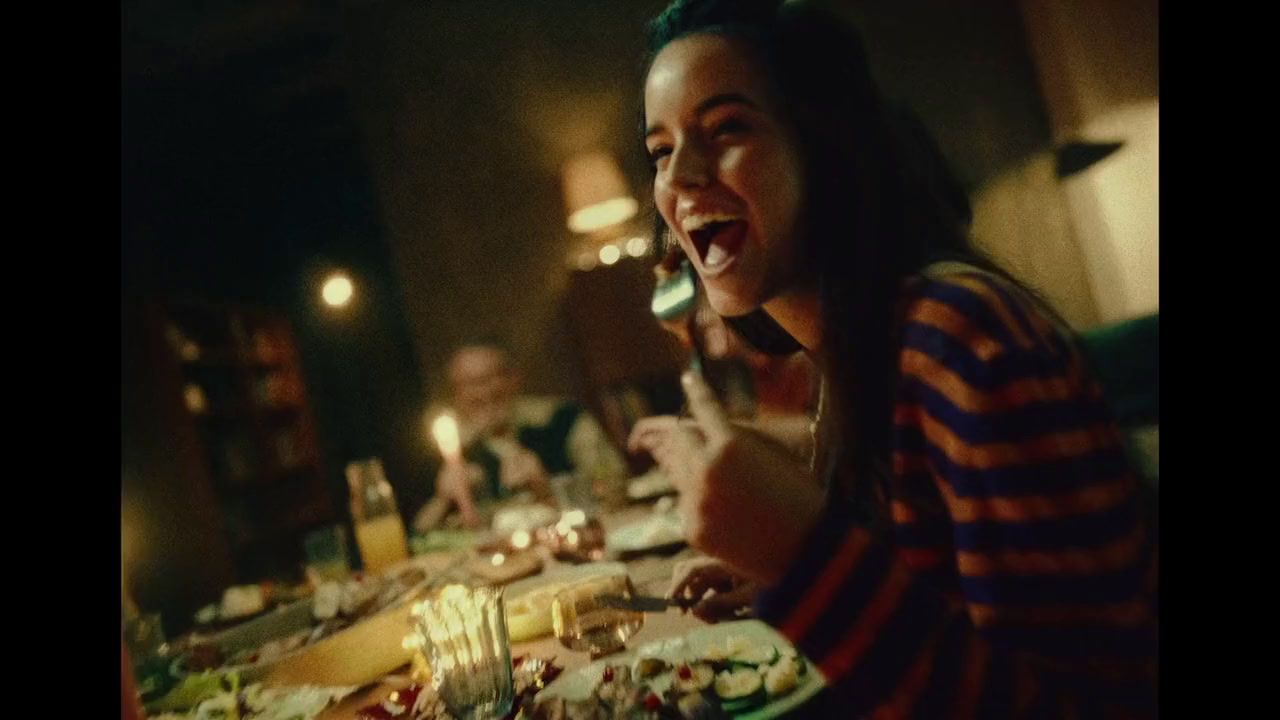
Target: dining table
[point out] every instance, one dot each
(650, 575)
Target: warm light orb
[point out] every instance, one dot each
(337, 290)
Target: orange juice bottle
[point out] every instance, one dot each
(379, 530)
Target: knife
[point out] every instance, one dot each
(637, 603)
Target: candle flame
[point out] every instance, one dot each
(445, 430)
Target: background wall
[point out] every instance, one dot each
(1098, 63)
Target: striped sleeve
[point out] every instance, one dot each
(1054, 614)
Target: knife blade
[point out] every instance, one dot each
(637, 603)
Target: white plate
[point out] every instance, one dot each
(351, 656)
(656, 531)
(580, 683)
(524, 517)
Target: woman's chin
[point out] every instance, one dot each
(731, 304)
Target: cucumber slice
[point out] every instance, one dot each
(722, 652)
(738, 707)
(756, 656)
(782, 678)
(700, 676)
(739, 689)
(793, 656)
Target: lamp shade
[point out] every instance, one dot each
(595, 193)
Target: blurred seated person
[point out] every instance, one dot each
(514, 444)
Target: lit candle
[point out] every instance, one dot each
(445, 430)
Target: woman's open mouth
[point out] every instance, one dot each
(717, 240)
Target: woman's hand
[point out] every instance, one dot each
(744, 498)
(710, 590)
(656, 436)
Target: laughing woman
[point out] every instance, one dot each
(976, 545)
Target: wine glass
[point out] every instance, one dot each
(586, 615)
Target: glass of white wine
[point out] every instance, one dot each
(584, 618)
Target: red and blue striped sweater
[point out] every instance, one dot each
(1018, 577)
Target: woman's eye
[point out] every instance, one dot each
(730, 126)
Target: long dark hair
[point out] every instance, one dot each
(881, 205)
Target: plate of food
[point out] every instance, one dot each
(741, 669)
(344, 634)
(527, 517)
(501, 568)
(658, 532)
(528, 602)
(215, 695)
(419, 701)
(243, 603)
